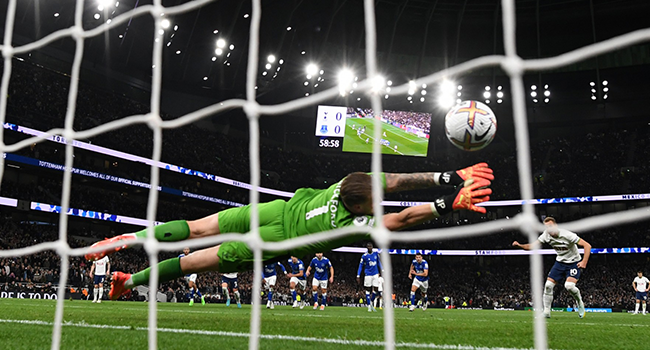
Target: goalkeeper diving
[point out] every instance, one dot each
(345, 203)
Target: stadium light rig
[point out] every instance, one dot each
(345, 80)
(311, 69)
(446, 90)
(500, 94)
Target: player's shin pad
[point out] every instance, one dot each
(473, 192)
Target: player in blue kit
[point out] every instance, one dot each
(297, 278)
(191, 281)
(419, 269)
(370, 265)
(321, 266)
(270, 277)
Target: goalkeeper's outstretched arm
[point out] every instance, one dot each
(416, 181)
(465, 197)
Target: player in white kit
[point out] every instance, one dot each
(380, 291)
(98, 272)
(191, 281)
(640, 285)
(229, 281)
(568, 264)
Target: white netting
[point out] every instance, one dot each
(511, 63)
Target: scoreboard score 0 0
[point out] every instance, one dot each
(330, 121)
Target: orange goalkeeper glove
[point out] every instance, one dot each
(457, 177)
(465, 197)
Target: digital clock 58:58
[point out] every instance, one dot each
(329, 143)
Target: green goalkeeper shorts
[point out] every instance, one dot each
(237, 256)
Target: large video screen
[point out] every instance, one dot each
(352, 130)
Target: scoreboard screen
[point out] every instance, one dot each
(352, 130)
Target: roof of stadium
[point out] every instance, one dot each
(205, 50)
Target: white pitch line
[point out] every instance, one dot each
(264, 336)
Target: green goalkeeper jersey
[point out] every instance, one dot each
(312, 211)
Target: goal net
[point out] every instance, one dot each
(511, 63)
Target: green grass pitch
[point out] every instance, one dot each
(27, 324)
(407, 143)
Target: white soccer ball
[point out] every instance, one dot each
(470, 125)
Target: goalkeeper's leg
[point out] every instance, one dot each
(170, 269)
(168, 232)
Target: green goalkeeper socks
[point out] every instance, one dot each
(168, 270)
(168, 232)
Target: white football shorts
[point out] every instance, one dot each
(371, 281)
(300, 283)
(319, 283)
(422, 285)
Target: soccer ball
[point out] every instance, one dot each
(470, 125)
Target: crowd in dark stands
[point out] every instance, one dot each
(606, 161)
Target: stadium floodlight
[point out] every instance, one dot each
(96, 16)
(386, 97)
(500, 94)
(499, 87)
(388, 89)
(487, 101)
(547, 93)
(246, 15)
(605, 82)
(410, 98)
(378, 83)
(345, 78)
(389, 83)
(281, 61)
(271, 58)
(311, 69)
(424, 86)
(499, 101)
(221, 43)
(487, 94)
(533, 87)
(487, 88)
(604, 96)
(459, 94)
(165, 23)
(303, 52)
(308, 76)
(218, 51)
(446, 101)
(421, 99)
(535, 100)
(105, 3)
(447, 86)
(268, 66)
(533, 94)
(56, 14)
(546, 100)
(214, 58)
(460, 87)
(591, 83)
(593, 97)
(232, 47)
(117, 4)
(423, 92)
(205, 78)
(215, 31)
(264, 73)
(100, 8)
(306, 83)
(176, 27)
(593, 91)
(178, 52)
(605, 89)
(458, 101)
(411, 87)
(108, 21)
(288, 29)
(321, 72)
